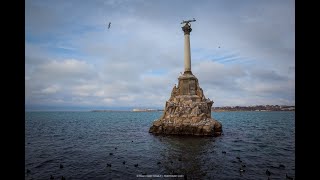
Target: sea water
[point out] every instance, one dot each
(85, 142)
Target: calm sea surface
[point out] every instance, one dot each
(82, 143)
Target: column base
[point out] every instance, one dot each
(188, 72)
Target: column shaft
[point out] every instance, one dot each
(187, 53)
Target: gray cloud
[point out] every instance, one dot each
(72, 59)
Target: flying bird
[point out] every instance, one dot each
(109, 25)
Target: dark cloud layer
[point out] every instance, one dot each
(72, 59)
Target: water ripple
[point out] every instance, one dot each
(83, 141)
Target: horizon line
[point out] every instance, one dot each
(129, 108)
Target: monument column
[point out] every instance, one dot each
(187, 112)
(187, 54)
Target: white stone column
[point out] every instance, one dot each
(187, 53)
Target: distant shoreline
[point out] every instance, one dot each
(256, 108)
(211, 111)
(147, 111)
(250, 111)
(125, 111)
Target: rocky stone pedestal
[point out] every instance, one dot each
(187, 112)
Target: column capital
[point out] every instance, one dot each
(187, 29)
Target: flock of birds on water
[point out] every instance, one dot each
(241, 169)
(268, 173)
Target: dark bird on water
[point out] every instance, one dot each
(268, 173)
(108, 165)
(110, 153)
(136, 165)
(109, 25)
(61, 166)
(124, 162)
(51, 177)
(224, 152)
(238, 157)
(288, 177)
(281, 166)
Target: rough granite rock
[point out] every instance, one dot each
(187, 112)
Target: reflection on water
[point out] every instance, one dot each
(182, 155)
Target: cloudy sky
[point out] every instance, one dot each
(73, 61)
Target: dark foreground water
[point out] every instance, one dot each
(82, 143)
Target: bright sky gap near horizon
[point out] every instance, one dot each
(73, 61)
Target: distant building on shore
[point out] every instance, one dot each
(254, 108)
(145, 110)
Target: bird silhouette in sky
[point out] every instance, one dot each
(109, 25)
